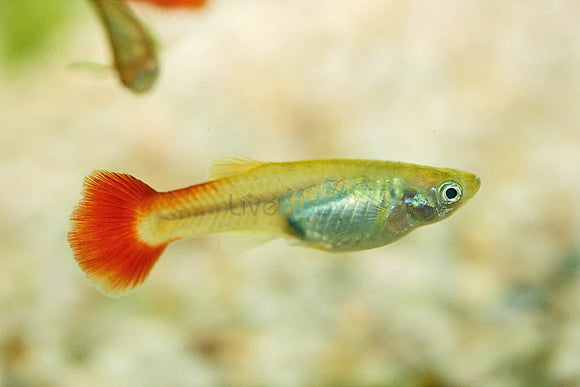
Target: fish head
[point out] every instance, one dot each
(433, 194)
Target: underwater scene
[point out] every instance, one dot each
(304, 193)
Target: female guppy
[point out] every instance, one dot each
(133, 48)
(121, 226)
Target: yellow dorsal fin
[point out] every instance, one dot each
(230, 166)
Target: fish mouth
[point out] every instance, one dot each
(477, 184)
(473, 185)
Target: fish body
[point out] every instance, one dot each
(133, 48)
(334, 205)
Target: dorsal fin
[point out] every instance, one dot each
(230, 166)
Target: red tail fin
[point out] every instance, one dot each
(178, 3)
(104, 235)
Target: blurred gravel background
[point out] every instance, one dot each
(489, 297)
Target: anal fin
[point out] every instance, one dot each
(241, 241)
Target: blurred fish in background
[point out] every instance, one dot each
(27, 24)
(134, 50)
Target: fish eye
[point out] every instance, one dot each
(450, 192)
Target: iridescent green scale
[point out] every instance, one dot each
(351, 217)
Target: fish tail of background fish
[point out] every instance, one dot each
(176, 3)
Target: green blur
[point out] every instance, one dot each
(27, 26)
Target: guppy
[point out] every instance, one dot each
(133, 48)
(121, 226)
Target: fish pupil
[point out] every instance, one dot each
(451, 193)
